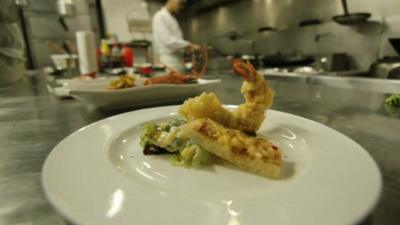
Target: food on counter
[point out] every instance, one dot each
(209, 128)
(392, 104)
(172, 77)
(125, 81)
(175, 77)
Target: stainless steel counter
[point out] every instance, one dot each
(349, 82)
(32, 122)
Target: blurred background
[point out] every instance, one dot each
(274, 34)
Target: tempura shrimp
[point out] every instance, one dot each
(249, 116)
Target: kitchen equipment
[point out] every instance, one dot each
(253, 59)
(66, 47)
(139, 22)
(310, 22)
(55, 47)
(333, 62)
(218, 60)
(388, 67)
(87, 52)
(307, 70)
(394, 73)
(351, 18)
(66, 7)
(65, 62)
(395, 42)
(21, 2)
(213, 49)
(266, 29)
(63, 23)
(280, 60)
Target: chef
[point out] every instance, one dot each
(167, 36)
(12, 64)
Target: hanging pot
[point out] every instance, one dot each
(351, 18)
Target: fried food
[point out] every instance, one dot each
(249, 116)
(172, 77)
(253, 154)
(230, 135)
(125, 81)
(176, 77)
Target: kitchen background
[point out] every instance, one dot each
(43, 25)
(363, 43)
(233, 27)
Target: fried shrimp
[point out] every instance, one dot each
(249, 116)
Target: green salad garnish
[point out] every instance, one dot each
(164, 136)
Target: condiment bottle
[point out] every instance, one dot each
(127, 53)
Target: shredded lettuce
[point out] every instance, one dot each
(177, 122)
(201, 158)
(147, 134)
(164, 135)
(176, 144)
(191, 155)
(177, 160)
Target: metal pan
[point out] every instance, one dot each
(351, 18)
(310, 22)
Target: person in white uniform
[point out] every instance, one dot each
(168, 39)
(12, 62)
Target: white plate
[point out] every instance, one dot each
(64, 85)
(98, 95)
(87, 80)
(98, 175)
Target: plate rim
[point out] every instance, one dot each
(149, 87)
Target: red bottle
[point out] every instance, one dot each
(128, 55)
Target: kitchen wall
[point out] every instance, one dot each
(130, 20)
(120, 13)
(363, 43)
(43, 26)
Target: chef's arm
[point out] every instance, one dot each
(193, 47)
(167, 38)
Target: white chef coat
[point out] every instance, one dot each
(168, 39)
(12, 65)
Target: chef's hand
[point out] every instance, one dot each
(194, 47)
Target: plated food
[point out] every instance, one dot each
(100, 96)
(172, 77)
(98, 175)
(125, 81)
(209, 128)
(199, 67)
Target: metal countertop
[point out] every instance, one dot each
(32, 122)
